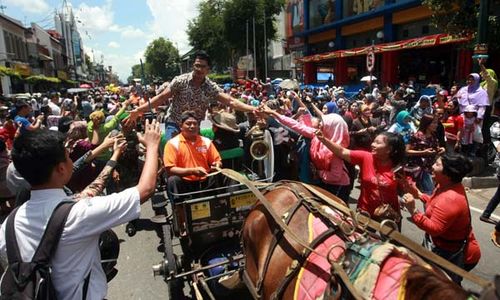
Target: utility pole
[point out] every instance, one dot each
(248, 54)
(482, 29)
(254, 52)
(265, 44)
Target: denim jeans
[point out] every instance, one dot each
(341, 191)
(171, 130)
(492, 204)
(456, 258)
(426, 185)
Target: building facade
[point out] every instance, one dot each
(72, 42)
(330, 40)
(13, 54)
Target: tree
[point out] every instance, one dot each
(238, 12)
(89, 63)
(136, 73)
(206, 32)
(460, 17)
(162, 59)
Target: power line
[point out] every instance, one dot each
(47, 18)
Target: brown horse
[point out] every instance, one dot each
(274, 261)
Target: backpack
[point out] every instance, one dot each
(31, 280)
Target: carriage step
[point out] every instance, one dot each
(159, 200)
(159, 219)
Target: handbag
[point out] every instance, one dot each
(477, 135)
(385, 211)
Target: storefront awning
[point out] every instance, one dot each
(421, 42)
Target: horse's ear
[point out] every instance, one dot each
(492, 292)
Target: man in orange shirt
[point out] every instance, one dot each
(189, 158)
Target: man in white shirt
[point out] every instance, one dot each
(40, 157)
(54, 104)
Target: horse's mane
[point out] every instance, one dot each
(422, 283)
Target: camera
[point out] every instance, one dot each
(149, 116)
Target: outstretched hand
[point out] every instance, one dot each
(132, 117)
(151, 136)
(265, 110)
(319, 134)
(120, 144)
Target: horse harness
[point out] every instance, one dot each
(314, 206)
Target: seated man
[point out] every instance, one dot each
(188, 158)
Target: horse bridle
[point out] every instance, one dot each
(386, 230)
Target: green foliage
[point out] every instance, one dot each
(460, 17)
(206, 32)
(220, 28)
(221, 78)
(236, 15)
(162, 59)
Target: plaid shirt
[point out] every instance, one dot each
(185, 96)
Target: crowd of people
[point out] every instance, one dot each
(399, 146)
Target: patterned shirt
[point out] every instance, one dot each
(185, 96)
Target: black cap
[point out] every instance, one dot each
(21, 103)
(64, 124)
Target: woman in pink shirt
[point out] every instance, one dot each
(378, 182)
(447, 219)
(330, 169)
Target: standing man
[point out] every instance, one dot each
(23, 110)
(41, 158)
(190, 91)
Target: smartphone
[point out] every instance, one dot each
(398, 171)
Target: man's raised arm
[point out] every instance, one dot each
(157, 100)
(235, 103)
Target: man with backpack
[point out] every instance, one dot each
(76, 272)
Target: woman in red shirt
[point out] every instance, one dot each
(378, 183)
(447, 219)
(453, 126)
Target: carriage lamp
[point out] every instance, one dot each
(259, 149)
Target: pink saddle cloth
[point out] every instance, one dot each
(314, 275)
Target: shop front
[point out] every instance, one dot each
(428, 59)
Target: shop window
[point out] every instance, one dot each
(294, 17)
(356, 7)
(321, 12)
(415, 29)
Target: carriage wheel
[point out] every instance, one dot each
(130, 229)
(175, 286)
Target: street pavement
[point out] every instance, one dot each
(137, 254)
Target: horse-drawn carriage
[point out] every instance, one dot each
(205, 227)
(290, 240)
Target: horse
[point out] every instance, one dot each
(280, 267)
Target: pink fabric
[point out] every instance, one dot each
(316, 273)
(389, 280)
(330, 168)
(313, 278)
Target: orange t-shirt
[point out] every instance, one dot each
(184, 154)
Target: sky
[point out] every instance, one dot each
(118, 31)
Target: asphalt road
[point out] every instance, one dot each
(139, 253)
